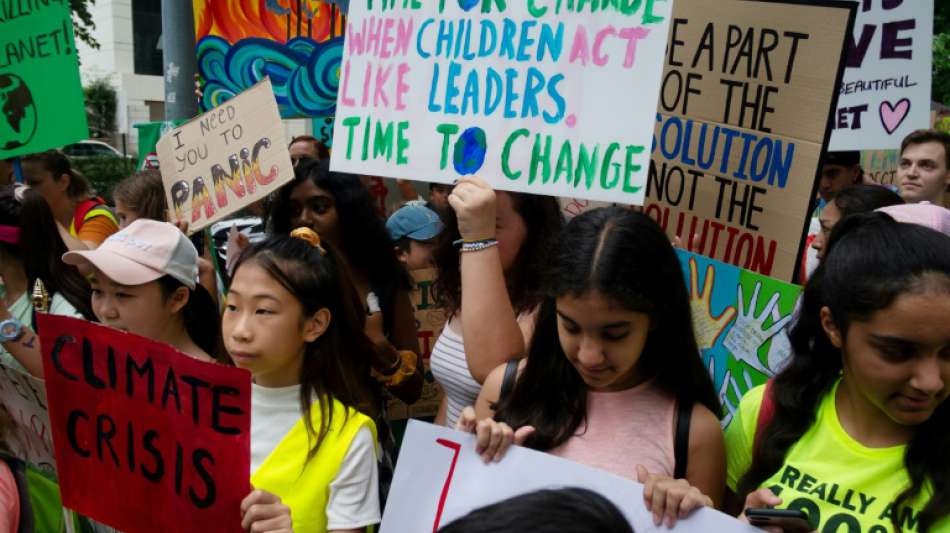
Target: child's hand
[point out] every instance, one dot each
(492, 439)
(669, 498)
(263, 512)
(474, 203)
(757, 500)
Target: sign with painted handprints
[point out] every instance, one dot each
(740, 319)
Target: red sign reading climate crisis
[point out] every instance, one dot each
(147, 439)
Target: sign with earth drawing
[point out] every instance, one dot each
(41, 97)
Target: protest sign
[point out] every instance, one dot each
(743, 113)
(298, 44)
(440, 478)
(429, 321)
(149, 133)
(225, 159)
(40, 92)
(739, 318)
(880, 166)
(147, 439)
(23, 397)
(885, 93)
(545, 97)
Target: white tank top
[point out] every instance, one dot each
(450, 369)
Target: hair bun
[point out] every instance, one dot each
(309, 236)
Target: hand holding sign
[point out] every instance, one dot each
(670, 499)
(492, 439)
(263, 512)
(474, 203)
(749, 332)
(708, 327)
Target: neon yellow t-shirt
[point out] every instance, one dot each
(843, 486)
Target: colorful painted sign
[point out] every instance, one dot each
(430, 319)
(298, 44)
(885, 93)
(225, 159)
(739, 318)
(440, 478)
(147, 439)
(40, 92)
(743, 114)
(432, 91)
(23, 397)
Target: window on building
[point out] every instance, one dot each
(147, 36)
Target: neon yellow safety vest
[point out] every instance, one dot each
(304, 485)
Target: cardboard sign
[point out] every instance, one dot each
(23, 397)
(545, 97)
(743, 114)
(40, 92)
(740, 319)
(880, 166)
(440, 478)
(885, 93)
(430, 319)
(147, 439)
(226, 159)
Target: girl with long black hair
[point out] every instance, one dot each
(613, 377)
(855, 431)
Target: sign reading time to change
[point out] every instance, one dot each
(540, 96)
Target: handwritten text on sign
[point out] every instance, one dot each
(743, 113)
(440, 478)
(145, 435)
(885, 93)
(23, 397)
(226, 159)
(544, 96)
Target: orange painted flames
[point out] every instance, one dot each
(234, 20)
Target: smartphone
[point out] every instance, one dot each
(789, 520)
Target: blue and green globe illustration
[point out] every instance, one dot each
(19, 112)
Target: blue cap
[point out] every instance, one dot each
(417, 222)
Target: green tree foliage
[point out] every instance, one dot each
(101, 103)
(83, 23)
(941, 68)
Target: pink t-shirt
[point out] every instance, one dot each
(9, 500)
(624, 429)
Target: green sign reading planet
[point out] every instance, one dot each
(41, 98)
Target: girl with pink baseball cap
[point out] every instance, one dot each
(144, 281)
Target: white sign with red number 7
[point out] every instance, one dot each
(440, 478)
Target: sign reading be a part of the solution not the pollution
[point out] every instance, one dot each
(147, 439)
(225, 159)
(546, 96)
(743, 117)
(40, 93)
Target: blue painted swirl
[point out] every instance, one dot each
(305, 74)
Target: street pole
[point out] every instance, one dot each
(178, 43)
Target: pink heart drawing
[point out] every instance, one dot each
(893, 115)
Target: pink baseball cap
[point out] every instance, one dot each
(141, 253)
(923, 213)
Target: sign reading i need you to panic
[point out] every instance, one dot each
(147, 439)
(541, 96)
(225, 159)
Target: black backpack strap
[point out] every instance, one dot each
(508, 381)
(684, 413)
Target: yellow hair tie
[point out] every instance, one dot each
(309, 236)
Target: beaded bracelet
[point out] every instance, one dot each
(477, 246)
